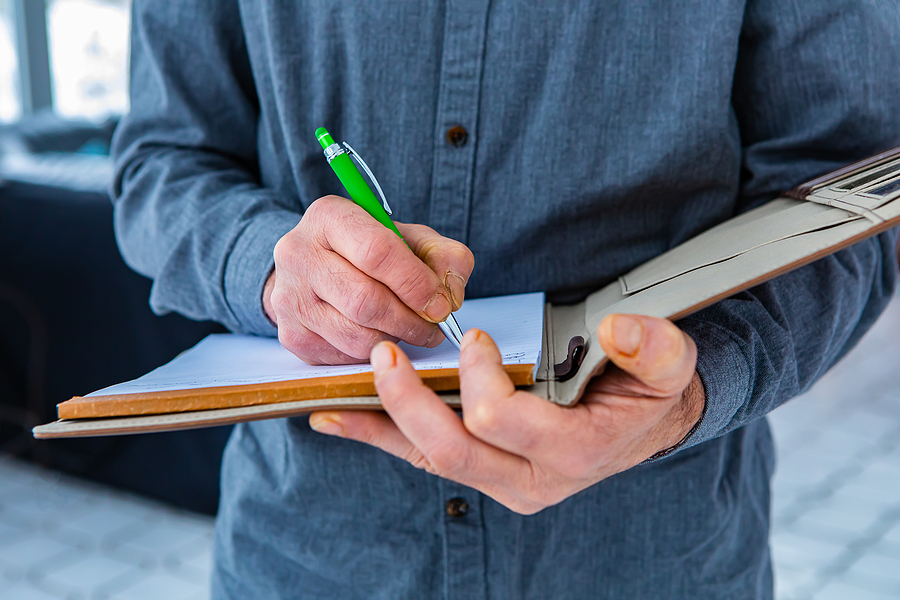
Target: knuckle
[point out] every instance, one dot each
(482, 420)
(284, 249)
(360, 346)
(408, 277)
(367, 436)
(321, 216)
(315, 214)
(285, 304)
(444, 251)
(322, 208)
(460, 256)
(292, 250)
(278, 299)
(438, 253)
(451, 457)
(431, 247)
(315, 313)
(296, 340)
(288, 300)
(417, 285)
(343, 337)
(466, 257)
(374, 255)
(418, 460)
(366, 303)
(279, 251)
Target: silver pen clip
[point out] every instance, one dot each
(450, 328)
(452, 331)
(354, 154)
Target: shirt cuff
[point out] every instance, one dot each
(249, 264)
(725, 373)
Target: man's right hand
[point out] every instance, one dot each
(343, 282)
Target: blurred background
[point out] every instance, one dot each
(68, 55)
(131, 517)
(126, 517)
(73, 317)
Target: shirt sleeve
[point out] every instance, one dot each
(816, 87)
(189, 209)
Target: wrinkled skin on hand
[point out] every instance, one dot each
(518, 448)
(343, 282)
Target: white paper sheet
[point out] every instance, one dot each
(516, 323)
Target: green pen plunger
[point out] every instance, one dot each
(354, 183)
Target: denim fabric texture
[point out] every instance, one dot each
(600, 134)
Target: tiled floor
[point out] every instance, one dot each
(62, 538)
(836, 507)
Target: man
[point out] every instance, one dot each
(537, 147)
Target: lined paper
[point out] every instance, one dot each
(515, 323)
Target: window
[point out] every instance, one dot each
(88, 42)
(10, 97)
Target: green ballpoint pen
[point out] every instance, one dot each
(360, 192)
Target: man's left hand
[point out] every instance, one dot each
(518, 448)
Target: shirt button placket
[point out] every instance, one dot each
(455, 135)
(464, 552)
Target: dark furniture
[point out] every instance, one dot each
(74, 318)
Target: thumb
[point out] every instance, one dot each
(654, 351)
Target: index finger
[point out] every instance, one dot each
(382, 255)
(451, 260)
(434, 429)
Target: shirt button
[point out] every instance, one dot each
(457, 507)
(457, 136)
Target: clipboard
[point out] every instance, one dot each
(805, 224)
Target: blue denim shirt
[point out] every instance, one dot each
(599, 134)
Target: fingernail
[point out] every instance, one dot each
(457, 286)
(438, 308)
(436, 339)
(627, 333)
(327, 424)
(471, 337)
(382, 358)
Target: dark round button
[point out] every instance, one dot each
(457, 136)
(457, 507)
